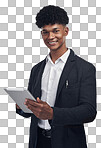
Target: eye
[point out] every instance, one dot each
(56, 31)
(44, 32)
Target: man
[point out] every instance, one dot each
(64, 86)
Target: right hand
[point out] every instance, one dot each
(17, 107)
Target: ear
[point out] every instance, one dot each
(41, 32)
(66, 29)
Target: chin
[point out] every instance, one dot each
(54, 49)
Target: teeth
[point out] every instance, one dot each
(52, 42)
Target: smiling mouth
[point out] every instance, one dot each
(52, 43)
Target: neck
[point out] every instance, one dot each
(56, 54)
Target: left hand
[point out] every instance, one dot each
(39, 108)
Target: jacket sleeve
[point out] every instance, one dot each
(86, 110)
(19, 111)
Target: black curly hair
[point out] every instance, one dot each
(51, 15)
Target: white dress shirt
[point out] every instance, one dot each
(50, 80)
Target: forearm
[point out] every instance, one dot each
(73, 116)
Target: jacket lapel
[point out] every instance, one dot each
(37, 86)
(65, 73)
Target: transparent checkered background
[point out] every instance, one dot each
(21, 47)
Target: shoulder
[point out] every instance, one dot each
(84, 68)
(82, 63)
(38, 66)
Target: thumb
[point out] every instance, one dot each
(38, 100)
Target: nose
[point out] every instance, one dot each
(51, 35)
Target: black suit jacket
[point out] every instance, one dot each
(75, 103)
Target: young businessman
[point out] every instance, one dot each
(64, 86)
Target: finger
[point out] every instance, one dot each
(33, 103)
(17, 106)
(33, 109)
(28, 101)
(39, 100)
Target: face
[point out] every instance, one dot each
(54, 36)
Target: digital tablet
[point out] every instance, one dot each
(19, 95)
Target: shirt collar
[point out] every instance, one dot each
(63, 58)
